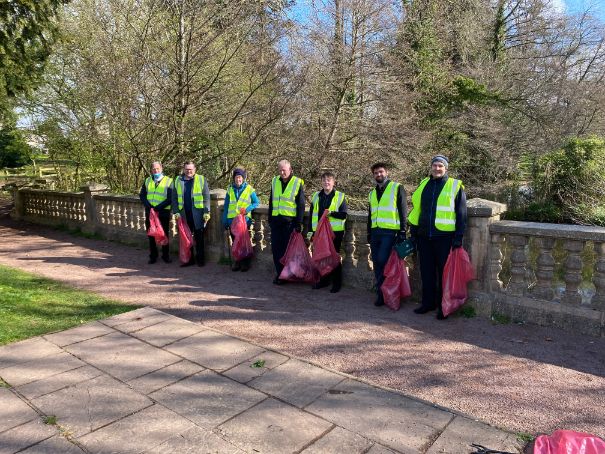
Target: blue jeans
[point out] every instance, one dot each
(381, 245)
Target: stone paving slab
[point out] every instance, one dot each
(25, 435)
(92, 404)
(461, 432)
(196, 441)
(24, 351)
(274, 427)
(398, 422)
(164, 377)
(78, 334)
(338, 441)
(296, 382)
(13, 411)
(136, 433)
(40, 368)
(122, 356)
(207, 398)
(57, 382)
(214, 350)
(246, 371)
(167, 332)
(120, 394)
(54, 445)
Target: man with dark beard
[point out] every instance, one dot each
(386, 221)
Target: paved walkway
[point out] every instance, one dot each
(146, 381)
(519, 377)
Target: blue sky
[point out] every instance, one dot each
(574, 6)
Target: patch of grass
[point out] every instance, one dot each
(224, 261)
(3, 384)
(467, 311)
(51, 420)
(500, 319)
(31, 305)
(258, 364)
(524, 437)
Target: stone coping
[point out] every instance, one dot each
(146, 381)
(563, 231)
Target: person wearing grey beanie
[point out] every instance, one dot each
(437, 223)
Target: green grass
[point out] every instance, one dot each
(525, 437)
(500, 319)
(467, 311)
(50, 420)
(31, 305)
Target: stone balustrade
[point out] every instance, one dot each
(526, 272)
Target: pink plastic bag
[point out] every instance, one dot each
(457, 273)
(396, 284)
(155, 229)
(569, 442)
(297, 262)
(185, 240)
(325, 256)
(242, 244)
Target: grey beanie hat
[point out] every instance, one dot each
(442, 159)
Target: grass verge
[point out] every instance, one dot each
(31, 305)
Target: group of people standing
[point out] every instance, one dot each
(437, 219)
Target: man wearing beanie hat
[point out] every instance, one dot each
(437, 223)
(239, 195)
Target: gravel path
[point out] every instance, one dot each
(522, 378)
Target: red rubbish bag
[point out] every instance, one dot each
(396, 284)
(569, 442)
(297, 262)
(242, 244)
(185, 240)
(457, 273)
(155, 229)
(325, 256)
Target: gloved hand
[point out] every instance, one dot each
(457, 243)
(310, 235)
(226, 227)
(242, 211)
(400, 236)
(206, 217)
(297, 227)
(177, 215)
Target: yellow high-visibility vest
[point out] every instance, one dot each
(338, 225)
(197, 193)
(157, 193)
(384, 213)
(244, 201)
(284, 204)
(445, 215)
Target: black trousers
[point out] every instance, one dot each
(198, 236)
(432, 254)
(280, 235)
(336, 275)
(164, 216)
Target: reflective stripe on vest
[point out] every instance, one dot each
(196, 194)
(445, 215)
(384, 213)
(156, 194)
(244, 201)
(284, 204)
(338, 225)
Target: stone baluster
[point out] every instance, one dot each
(517, 284)
(545, 267)
(349, 246)
(364, 261)
(573, 272)
(267, 236)
(257, 233)
(495, 261)
(598, 277)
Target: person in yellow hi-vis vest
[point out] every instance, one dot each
(156, 194)
(334, 201)
(286, 211)
(386, 221)
(191, 199)
(437, 223)
(239, 195)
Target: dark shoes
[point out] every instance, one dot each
(278, 281)
(152, 260)
(190, 263)
(320, 284)
(236, 266)
(245, 266)
(378, 303)
(440, 315)
(423, 310)
(335, 289)
(167, 259)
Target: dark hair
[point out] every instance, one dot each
(379, 165)
(187, 163)
(328, 174)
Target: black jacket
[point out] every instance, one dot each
(428, 209)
